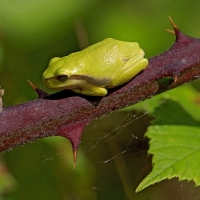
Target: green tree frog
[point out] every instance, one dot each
(103, 65)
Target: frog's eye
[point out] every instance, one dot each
(62, 78)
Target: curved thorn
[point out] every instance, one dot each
(40, 92)
(176, 30)
(170, 31)
(173, 24)
(32, 85)
(75, 157)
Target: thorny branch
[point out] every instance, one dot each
(67, 114)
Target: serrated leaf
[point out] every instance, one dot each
(175, 145)
(176, 152)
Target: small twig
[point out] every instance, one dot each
(81, 34)
(2, 92)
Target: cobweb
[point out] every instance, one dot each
(112, 161)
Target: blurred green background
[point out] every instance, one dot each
(112, 158)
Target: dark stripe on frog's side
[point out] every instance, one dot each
(91, 80)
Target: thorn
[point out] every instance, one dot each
(40, 92)
(73, 134)
(32, 85)
(2, 92)
(75, 157)
(175, 78)
(176, 30)
(173, 24)
(170, 31)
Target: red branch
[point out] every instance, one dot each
(66, 114)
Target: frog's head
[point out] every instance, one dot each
(60, 74)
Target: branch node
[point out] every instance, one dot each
(40, 92)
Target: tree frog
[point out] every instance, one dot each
(103, 65)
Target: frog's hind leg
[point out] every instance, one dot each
(128, 71)
(94, 91)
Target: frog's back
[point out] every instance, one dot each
(105, 57)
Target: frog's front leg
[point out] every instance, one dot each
(92, 91)
(130, 69)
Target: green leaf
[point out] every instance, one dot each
(187, 96)
(175, 145)
(171, 113)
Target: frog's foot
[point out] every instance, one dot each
(94, 91)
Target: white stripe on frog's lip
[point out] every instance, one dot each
(75, 81)
(54, 83)
(91, 80)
